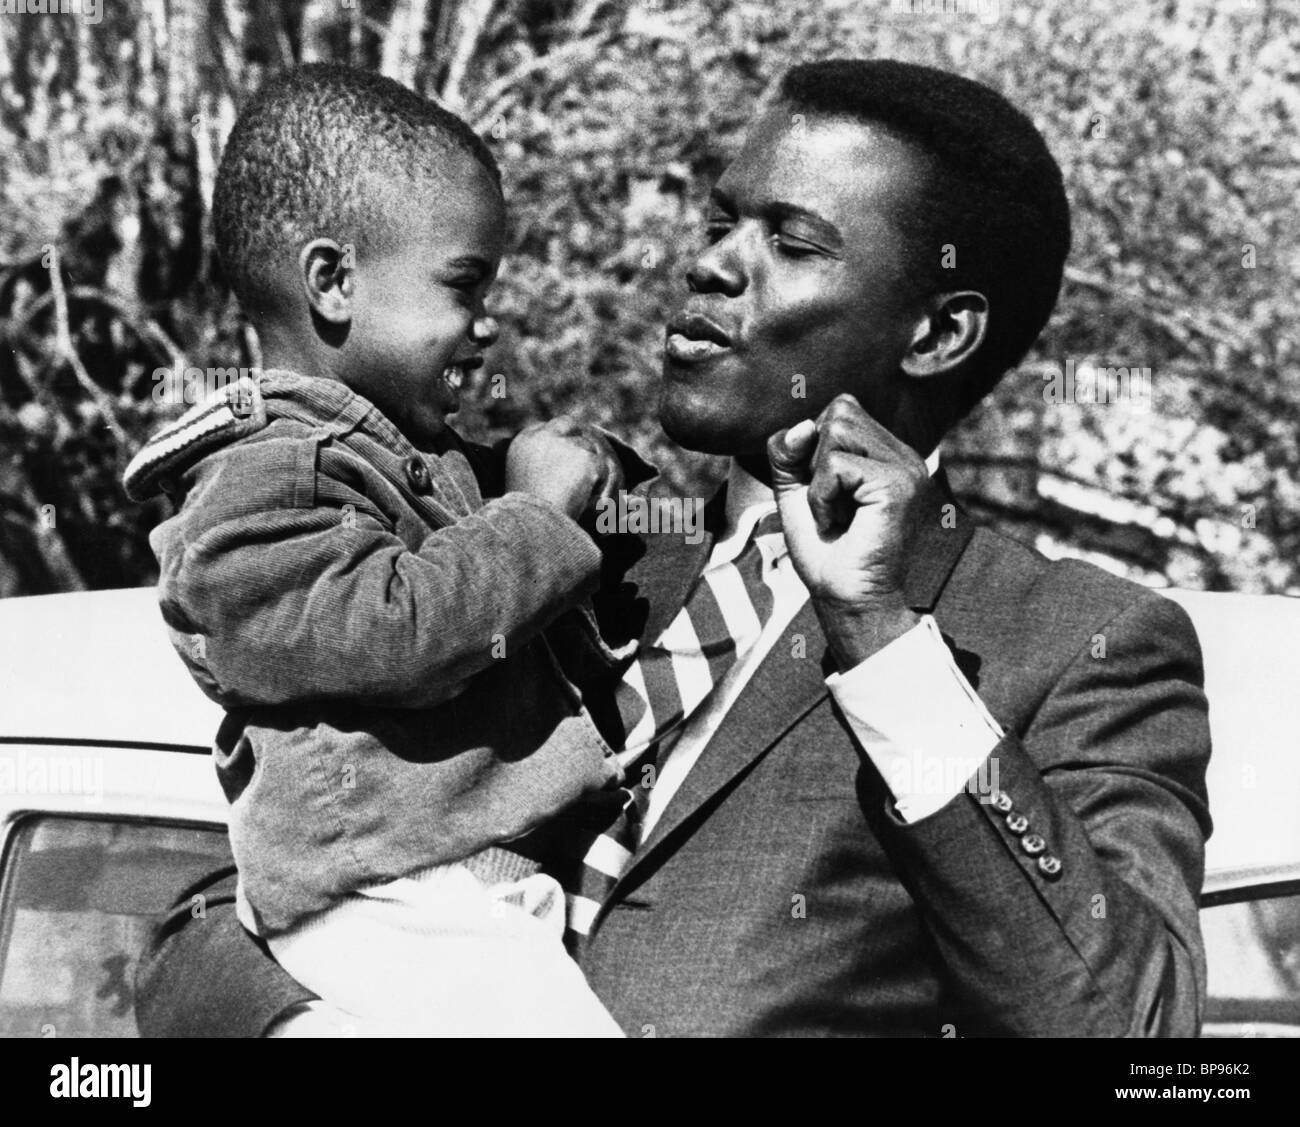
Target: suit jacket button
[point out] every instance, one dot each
(1033, 844)
(1000, 801)
(417, 473)
(1017, 823)
(1049, 866)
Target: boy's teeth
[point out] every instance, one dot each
(453, 376)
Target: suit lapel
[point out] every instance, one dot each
(785, 688)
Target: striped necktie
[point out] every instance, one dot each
(724, 615)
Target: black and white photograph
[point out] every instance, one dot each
(670, 519)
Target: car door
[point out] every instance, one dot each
(95, 844)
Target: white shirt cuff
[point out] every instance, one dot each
(918, 719)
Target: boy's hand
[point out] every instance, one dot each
(570, 464)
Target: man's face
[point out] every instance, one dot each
(804, 291)
(411, 340)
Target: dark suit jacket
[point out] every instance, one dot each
(779, 894)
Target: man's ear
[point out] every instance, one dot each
(327, 271)
(947, 333)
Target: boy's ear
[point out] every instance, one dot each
(327, 270)
(947, 332)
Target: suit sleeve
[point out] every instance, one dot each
(203, 975)
(1064, 902)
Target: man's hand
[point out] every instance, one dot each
(845, 487)
(570, 464)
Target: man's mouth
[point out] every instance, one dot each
(453, 375)
(692, 337)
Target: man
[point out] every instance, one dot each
(934, 784)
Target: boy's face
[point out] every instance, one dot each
(417, 324)
(803, 292)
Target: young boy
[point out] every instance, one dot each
(334, 577)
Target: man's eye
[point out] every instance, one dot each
(792, 245)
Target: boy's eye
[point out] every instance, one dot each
(716, 227)
(469, 290)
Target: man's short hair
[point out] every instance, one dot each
(993, 192)
(326, 150)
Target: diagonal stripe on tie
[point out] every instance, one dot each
(608, 857)
(633, 703)
(661, 686)
(750, 565)
(581, 914)
(724, 615)
(690, 666)
(717, 644)
(607, 860)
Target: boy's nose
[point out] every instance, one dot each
(484, 331)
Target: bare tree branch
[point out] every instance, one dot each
(145, 328)
(50, 546)
(493, 101)
(69, 352)
(472, 17)
(401, 53)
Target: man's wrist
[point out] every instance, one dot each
(925, 755)
(854, 631)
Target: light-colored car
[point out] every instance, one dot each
(1250, 906)
(109, 805)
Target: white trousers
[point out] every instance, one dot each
(440, 954)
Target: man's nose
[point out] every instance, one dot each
(483, 331)
(717, 269)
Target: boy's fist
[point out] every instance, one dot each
(570, 464)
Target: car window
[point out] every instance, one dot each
(1252, 951)
(80, 896)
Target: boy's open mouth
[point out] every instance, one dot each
(453, 375)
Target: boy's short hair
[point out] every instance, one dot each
(993, 191)
(325, 150)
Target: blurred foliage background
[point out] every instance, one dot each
(1176, 123)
